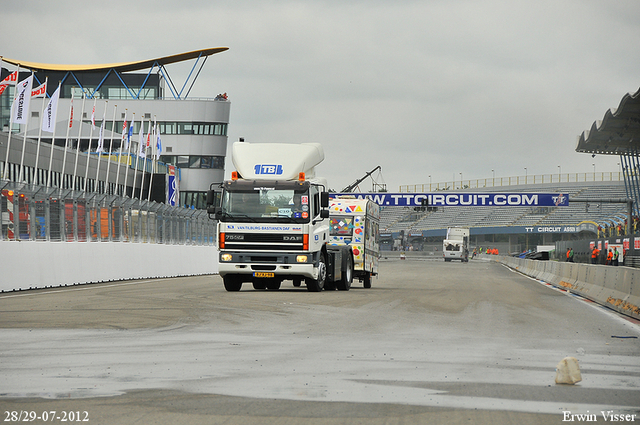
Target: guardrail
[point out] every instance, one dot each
(39, 213)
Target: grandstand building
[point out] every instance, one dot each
(516, 228)
(607, 214)
(193, 131)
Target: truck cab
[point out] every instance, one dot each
(456, 244)
(273, 221)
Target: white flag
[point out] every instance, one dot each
(49, 118)
(101, 138)
(124, 130)
(10, 80)
(39, 91)
(142, 145)
(20, 107)
(158, 147)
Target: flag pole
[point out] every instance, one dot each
(126, 173)
(66, 141)
(153, 159)
(75, 167)
(44, 104)
(53, 138)
(86, 168)
(124, 129)
(100, 147)
(135, 172)
(26, 126)
(113, 124)
(6, 161)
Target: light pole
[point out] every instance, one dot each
(429, 182)
(460, 180)
(525, 175)
(594, 172)
(559, 173)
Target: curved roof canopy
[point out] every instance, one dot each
(617, 133)
(120, 67)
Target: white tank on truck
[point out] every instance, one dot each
(456, 244)
(273, 221)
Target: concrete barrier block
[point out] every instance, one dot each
(620, 290)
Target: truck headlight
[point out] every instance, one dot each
(226, 257)
(301, 259)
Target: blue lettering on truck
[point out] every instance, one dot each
(268, 169)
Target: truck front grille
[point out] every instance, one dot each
(263, 242)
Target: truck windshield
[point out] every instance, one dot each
(452, 246)
(267, 204)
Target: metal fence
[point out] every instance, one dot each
(40, 213)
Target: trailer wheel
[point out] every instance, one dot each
(347, 275)
(232, 283)
(316, 285)
(367, 280)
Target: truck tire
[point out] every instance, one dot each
(316, 285)
(273, 285)
(347, 274)
(232, 283)
(367, 280)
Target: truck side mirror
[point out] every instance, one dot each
(324, 213)
(211, 197)
(324, 200)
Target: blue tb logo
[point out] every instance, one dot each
(268, 169)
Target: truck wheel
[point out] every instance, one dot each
(273, 285)
(347, 275)
(232, 283)
(316, 285)
(367, 280)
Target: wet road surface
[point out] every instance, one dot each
(430, 342)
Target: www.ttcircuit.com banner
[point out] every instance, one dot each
(464, 199)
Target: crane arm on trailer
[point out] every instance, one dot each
(357, 182)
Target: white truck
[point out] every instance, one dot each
(273, 221)
(456, 244)
(355, 222)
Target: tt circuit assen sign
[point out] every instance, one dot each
(452, 199)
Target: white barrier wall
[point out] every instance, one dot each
(27, 264)
(615, 287)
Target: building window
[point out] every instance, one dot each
(182, 161)
(194, 161)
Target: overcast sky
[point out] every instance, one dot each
(421, 88)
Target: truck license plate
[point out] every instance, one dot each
(263, 274)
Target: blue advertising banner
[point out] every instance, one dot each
(452, 199)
